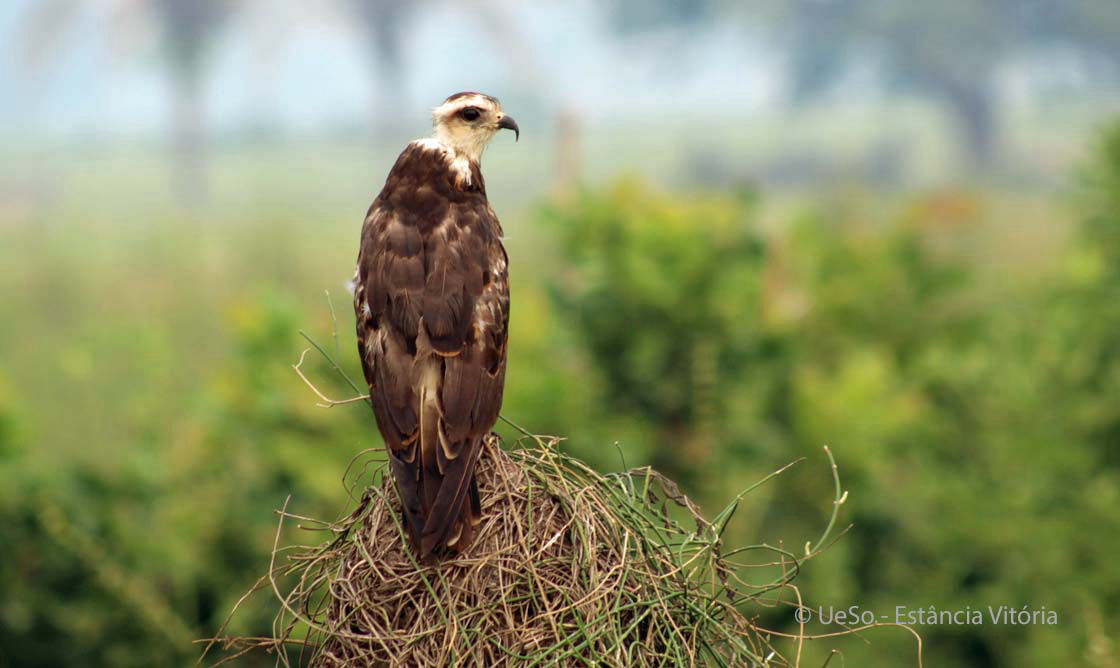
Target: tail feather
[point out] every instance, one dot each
(443, 485)
(429, 458)
(408, 488)
(447, 519)
(454, 504)
(466, 525)
(440, 511)
(453, 510)
(476, 502)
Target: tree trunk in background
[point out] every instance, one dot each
(190, 28)
(188, 139)
(382, 22)
(568, 152)
(972, 106)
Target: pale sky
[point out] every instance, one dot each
(307, 71)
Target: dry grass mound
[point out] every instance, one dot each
(569, 567)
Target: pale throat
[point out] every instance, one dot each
(467, 143)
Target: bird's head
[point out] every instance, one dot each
(466, 122)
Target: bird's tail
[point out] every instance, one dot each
(457, 509)
(461, 531)
(451, 508)
(430, 475)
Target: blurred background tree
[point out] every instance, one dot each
(384, 26)
(188, 31)
(954, 52)
(951, 51)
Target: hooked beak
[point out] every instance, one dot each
(507, 123)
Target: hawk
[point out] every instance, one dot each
(431, 300)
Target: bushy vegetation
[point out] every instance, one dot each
(150, 421)
(976, 423)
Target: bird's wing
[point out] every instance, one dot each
(388, 291)
(470, 399)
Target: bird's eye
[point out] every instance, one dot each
(470, 114)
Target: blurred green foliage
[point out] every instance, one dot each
(150, 421)
(976, 428)
(665, 297)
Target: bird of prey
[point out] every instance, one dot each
(431, 299)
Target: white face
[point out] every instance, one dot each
(468, 121)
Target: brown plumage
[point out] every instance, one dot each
(432, 304)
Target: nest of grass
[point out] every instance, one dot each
(569, 567)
